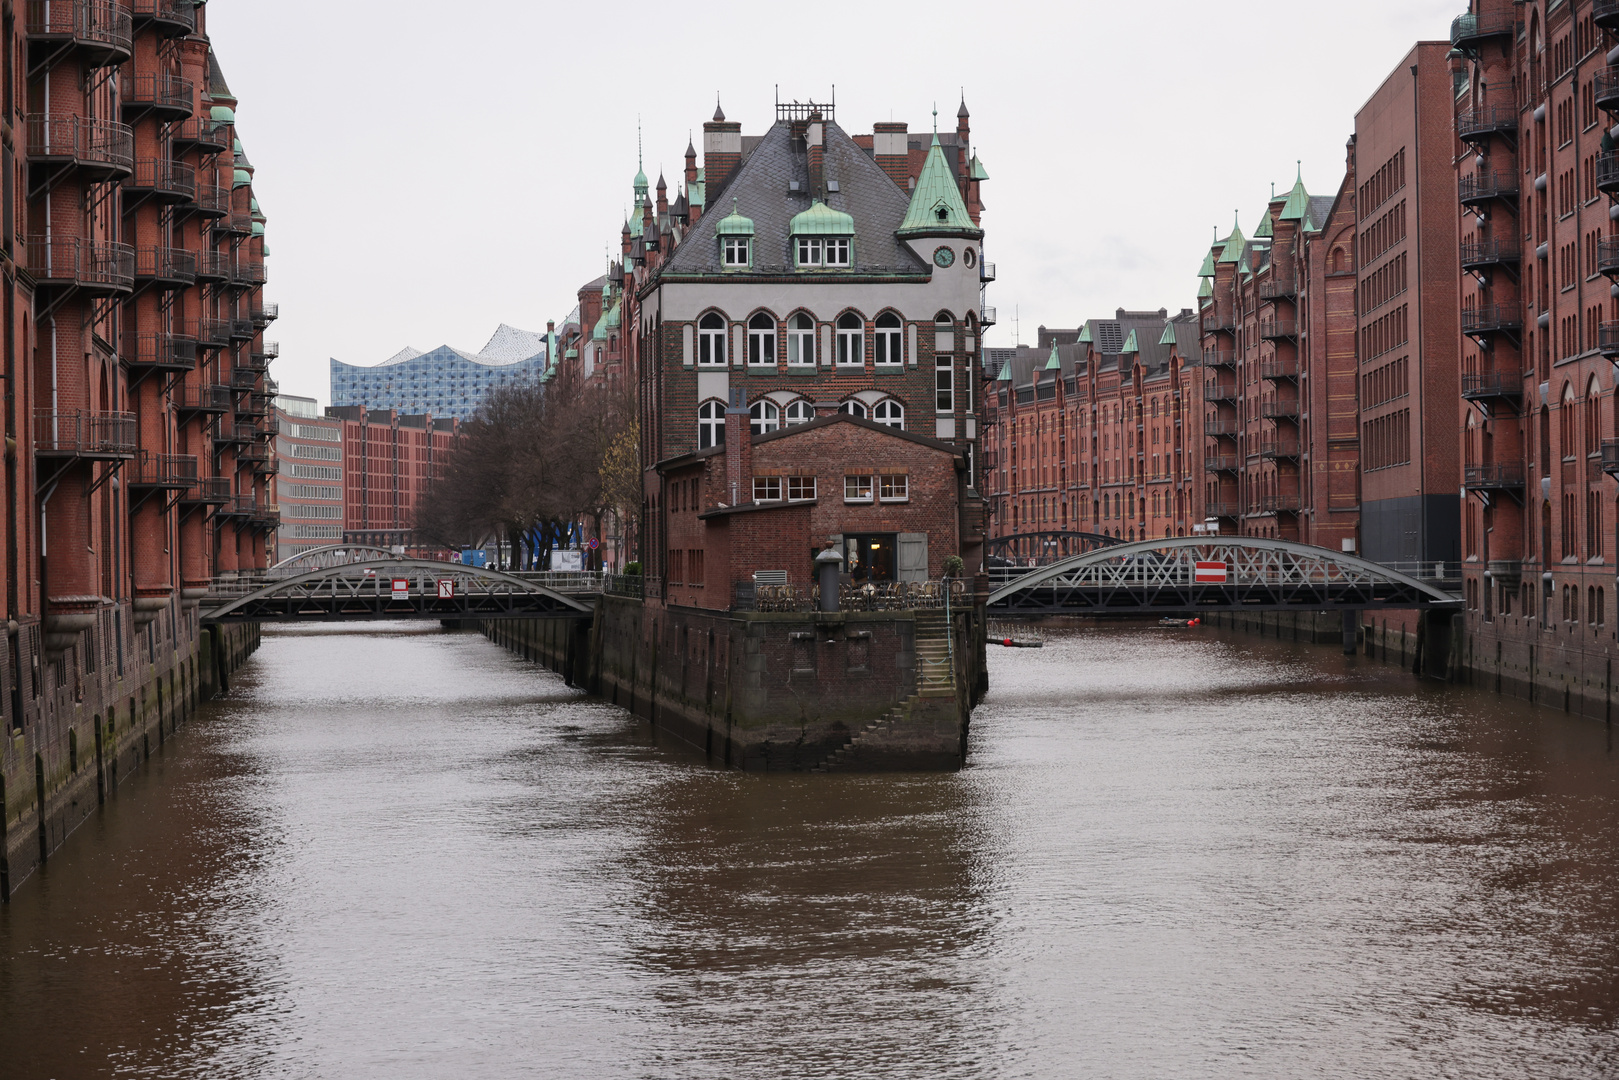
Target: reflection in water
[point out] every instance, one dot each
(406, 853)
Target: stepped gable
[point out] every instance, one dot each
(760, 191)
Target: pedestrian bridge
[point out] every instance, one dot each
(395, 588)
(1205, 574)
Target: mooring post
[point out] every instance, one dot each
(1351, 619)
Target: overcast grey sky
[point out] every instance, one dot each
(433, 169)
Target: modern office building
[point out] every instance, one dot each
(445, 382)
(309, 489)
(387, 462)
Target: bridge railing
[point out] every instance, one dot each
(567, 581)
(632, 586)
(887, 596)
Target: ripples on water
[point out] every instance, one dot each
(403, 853)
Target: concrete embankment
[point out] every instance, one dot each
(853, 691)
(85, 715)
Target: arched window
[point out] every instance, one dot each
(890, 348)
(889, 412)
(1565, 423)
(801, 340)
(765, 417)
(762, 340)
(853, 408)
(1545, 443)
(851, 343)
(711, 340)
(710, 425)
(798, 412)
(1593, 416)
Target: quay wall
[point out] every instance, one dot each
(80, 719)
(771, 690)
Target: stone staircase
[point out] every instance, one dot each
(838, 759)
(935, 676)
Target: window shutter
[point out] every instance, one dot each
(913, 557)
(687, 332)
(911, 345)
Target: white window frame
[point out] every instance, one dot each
(801, 341)
(809, 250)
(888, 343)
(894, 488)
(851, 342)
(797, 412)
(944, 385)
(855, 407)
(764, 417)
(736, 251)
(711, 341)
(762, 341)
(710, 424)
(767, 489)
(801, 489)
(889, 412)
(858, 489)
(835, 251)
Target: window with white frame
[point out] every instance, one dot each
(798, 412)
(762, 340)
(972, 469)
(735, 250)
(765, 417)
(710, 425)
(800, 488)
(888, 344)
(857, 488)
(767, 489)
(894, 488)
(711, 340)
(801, 341)
(853, 408)
(851, 339)
(835, 251)
(809, 251)
(889, 412)
(944, 382)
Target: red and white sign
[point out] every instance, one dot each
(401, 588)
(1210, 573)
(446, 589)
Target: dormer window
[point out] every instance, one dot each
(735, 234)
(736, 251)
(835, 252)
(823, 238)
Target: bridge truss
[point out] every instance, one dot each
(1161, 577)
(365, 590)
(1046, 545)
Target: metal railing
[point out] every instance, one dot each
(1279, 448)
(101, 24)
(885, 596)
(210, 397)
(1222, 428)
(159, 90)
(213, 266)
(632, 586)
(1223, 509)
(1279, 368)
(248, 274)
(213, 333)
(1489, 318)
(84, 264)
(234, 433)
(1501, 474)
(66, 137)
(1279, 410)
(1607, 171)
(1216, 320)
(1486, 120)
(177, 15)
(1221, 463)
(1219, 358)
(1487, 185)
(202, 130)
(265, 314)
(1488, 253)
(212, 200)
(170, 352)
(1278, 504)
(162, 470)
(986, 271)
(242, 330)
(84, 434)
(1473, 27)
(167, 264)
(1610, 456)
(163, 175)
(1480, 384)
(1279, 286)
(1271, 329)
(1215, 391)
(253, 453)
(1605, 13)
(244, 379)
(209, 489)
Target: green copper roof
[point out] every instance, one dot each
(936, 206)
(1169, 335)
(697, 192)
(1264, 225)
(1297, 207)
(1006, 372)
(1206, 290)
(975, 169)
(636, 227)
(820, 220)
(640, 183)
(1208, 265)
(607, 323)
(1233, 245)
(242, 178)
(1085, 334)
(1053, 364)
(258, 228)
(267, 250)
(223, 114)
(1130, 345)
(734, 224)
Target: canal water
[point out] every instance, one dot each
(405, 853)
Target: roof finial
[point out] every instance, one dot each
(1301, 170)
(719, 113)
(639, 167)
(935, 118)
(1273, 189)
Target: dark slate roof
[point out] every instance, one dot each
(217, 87)
(1321, 208)
(759, 189)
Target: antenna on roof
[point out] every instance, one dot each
(638, 167)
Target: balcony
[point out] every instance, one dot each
(1222, 510)
(256, 404)
(1217, 322)
(242, 329)
(1218, 463)
(211, 201)
(1505, 569)
(1501, 476)
(266, 517)
(1490, 319)
(1278, 329)
(261, 359)
(208, 491)
(270, 426)
(1610, 456)
(162, 179)
(100, 31)
(1279, 450)
(244, 379)
(1219, 358)
(1217, 392)
(101, 149)
(1607, 172)
(234, 434)
(1605, 84)
(254, 453)
(268, 467)
(247, 275)
(1279, 504)
(162, 352)
(168, 97)
(165, 267)
(202, 132)
(81, 264)
(96, 436)
(986, 315)
(236, 222)
(1608, 340)
(1470, 31)
(1280, 286)
(1279, 410)
(208, 398)
(1222, 429)
(172, 472)
(1492, 385)
(1488, 254)
(1605, 13)
(213, 333)
(265, 314)
(1482, 187)
(1478, 125)
(986, 271)
(213, 266)
(1608, 256)
(171, 18)
(238, 506)
(1278, 368)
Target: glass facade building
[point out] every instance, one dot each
(445, 382)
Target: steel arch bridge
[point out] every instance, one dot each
(1065, 543)
(329, 555)
(365, 590)
(1160, 577)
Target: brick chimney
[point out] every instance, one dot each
(663, 199)
(738, 449)
(891, 146)
(722, 151)
(815, 149)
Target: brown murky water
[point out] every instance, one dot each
(407, 854)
